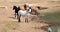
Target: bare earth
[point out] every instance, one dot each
(9, 24)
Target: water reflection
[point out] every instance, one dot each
(56, 29)
(59, 29)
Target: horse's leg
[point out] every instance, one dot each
(26, 18)
(19, 16)
(30, 12)
(36, 13)
(15, 14)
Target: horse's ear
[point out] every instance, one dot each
(14, 7)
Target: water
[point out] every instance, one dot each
(56, 29)
(52, 18)
(59, 29)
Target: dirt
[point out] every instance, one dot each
(7, 16)
(8, 23)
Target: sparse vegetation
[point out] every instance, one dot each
(12, 25)
(52, 18)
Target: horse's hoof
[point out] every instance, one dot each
(19, 21)
(26, 22)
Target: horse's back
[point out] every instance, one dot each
(21, 12)
(21, 7)
(34, 7)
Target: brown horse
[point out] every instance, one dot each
(35, 9)
(21, 7)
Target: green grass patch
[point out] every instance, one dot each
(53, 17)
(12, 25)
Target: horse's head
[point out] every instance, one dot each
(26, 6)
(29, 9)
(14, 7)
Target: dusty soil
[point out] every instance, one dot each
(8, 23)
(7, 17)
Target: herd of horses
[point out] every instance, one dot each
(25, 10)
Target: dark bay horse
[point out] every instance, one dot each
(16, 10)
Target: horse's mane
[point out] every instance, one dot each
(25, 6)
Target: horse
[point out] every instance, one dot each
(21, 7)
(22, 11)
(16, 10)
(34, 9)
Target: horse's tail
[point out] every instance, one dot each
(39, 7)
(25, 6)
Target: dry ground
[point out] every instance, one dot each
(9, 24)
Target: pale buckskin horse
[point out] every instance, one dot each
(34, 9)
(22, 11)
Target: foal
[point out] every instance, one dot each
(24, 13)
(16, 10)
